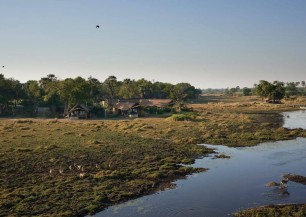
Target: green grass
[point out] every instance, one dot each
(292, 210)
(118, 165)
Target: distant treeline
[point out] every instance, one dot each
(275, 90)
(52, 92)
(63, 94)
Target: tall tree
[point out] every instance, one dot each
(95, 90)
(278, 91)
(128, 89)
(81, 90)
(111, 85)
(246, 91)
(182, 92)
(275, 91)
(10, 91)
(160, 90)
(44, 81)
(291, 89)
(51, 88)
(74, 91)
(5, 92)
(34, 92)
(263, 89)
(145, 88)
(65, 87)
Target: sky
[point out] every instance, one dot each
(207, 43)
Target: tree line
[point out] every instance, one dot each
(277, 90)
(52, 92)
(270, 90)
(61, 95)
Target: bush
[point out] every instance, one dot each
(190, 116)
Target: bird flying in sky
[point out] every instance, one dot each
(97, 26)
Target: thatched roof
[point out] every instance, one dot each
(160, 103)
(79, 107)
(124, 106)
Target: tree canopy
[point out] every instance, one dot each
(52, 92)
(272, 91)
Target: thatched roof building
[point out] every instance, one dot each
(78, 112)
(127, 108)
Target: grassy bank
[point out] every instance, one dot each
(62, 167)
(243, 124)
(295, 210)
(78, 167)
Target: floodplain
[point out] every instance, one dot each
(73, 168)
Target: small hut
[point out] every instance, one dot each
(129, 109)
(78, 112)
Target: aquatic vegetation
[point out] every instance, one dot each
(295, 210)
(223, 156)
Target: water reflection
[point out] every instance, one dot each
(296, 119)
(140, 205)
(229, 184)
(277, 194)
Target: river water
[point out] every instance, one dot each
(230, 184)
(296, 119)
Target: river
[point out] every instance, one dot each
(230, 184)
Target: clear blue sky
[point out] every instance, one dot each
(208, 43)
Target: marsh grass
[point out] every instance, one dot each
(119, 164)
(119, 159)
(292, 210)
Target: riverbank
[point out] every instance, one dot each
(298, 210)
(42, 160)
(72, 168)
